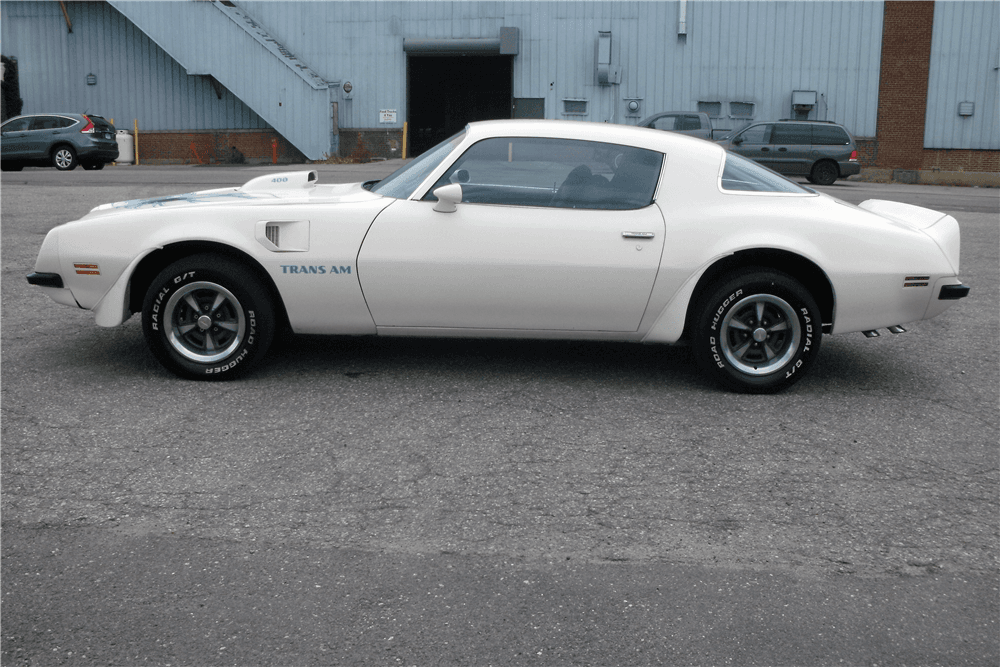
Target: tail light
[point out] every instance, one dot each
(89, 127)
(854, 156)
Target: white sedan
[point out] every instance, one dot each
(514, 229)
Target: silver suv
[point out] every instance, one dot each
(822, 151)
(60, 140)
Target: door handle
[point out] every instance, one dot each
(638, 235)
(782, 150)
(764, 150)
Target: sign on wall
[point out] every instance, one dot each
(387, 116)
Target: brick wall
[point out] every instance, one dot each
(216, 147)
(902, 107)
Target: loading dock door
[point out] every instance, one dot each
(446, 92)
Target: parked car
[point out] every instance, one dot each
(692, 123)
(514, 229)
(61, 140)
(822, 151)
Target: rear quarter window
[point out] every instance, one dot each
(830, 135)
(743, 175)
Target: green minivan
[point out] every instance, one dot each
(821, 151)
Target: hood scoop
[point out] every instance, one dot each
(283, 182)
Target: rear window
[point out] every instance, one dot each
(830, 135)
(743, 175)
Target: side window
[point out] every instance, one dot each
(17, 125)
(830, 135)
(688, 123)
(562, 173)
(665, 123)
(45, 123)
(792, 134)
(757, 134)
(743, 175)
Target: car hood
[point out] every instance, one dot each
(289, 187)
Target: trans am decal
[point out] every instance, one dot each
(319, 270)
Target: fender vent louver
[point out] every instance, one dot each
(273, 233)
(916, 281)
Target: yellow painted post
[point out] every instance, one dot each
(135, 126)
(404, 139)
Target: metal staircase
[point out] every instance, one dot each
(218, 39)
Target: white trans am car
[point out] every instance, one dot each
(514, 229)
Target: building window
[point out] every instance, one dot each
(741, 110)
(575, 107)
(713, 109)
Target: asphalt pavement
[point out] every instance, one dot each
(364, 501)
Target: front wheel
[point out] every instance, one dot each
(758, 333)
(207, 317)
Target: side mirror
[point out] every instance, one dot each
(737, 141)
(449, 196)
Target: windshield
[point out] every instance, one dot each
(402, 182)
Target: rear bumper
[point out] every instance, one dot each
(849, 168)
(953, 292)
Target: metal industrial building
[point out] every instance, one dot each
(214, 80)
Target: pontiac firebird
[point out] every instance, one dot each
(514, 229)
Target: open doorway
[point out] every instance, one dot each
(446, 92)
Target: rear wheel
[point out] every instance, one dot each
(64, 158)
(207, 317)
(824, 173)
(758, 332)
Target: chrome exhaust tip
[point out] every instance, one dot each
(897, 329)
(870, 334)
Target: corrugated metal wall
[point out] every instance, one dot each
(965, 67)
(136, 79)
(733, 52)
(748, 52)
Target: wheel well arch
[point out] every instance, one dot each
(61, 144)
(811, 276)
(836, 165)
(151, 265)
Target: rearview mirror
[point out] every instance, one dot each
(449, 196)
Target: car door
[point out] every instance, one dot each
(13, 136)
(42, 135)
(791, 145)
(551, 235)
(755, 143)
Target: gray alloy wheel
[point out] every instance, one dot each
(760, 334)
(824, 173)
(205, 322)
(757, 332)
(208, 317)
(64, 158)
